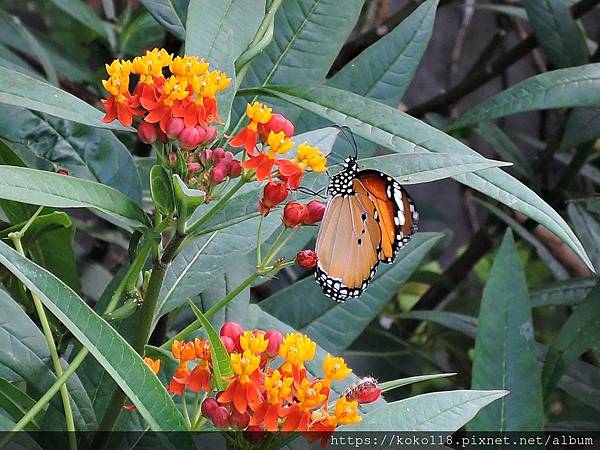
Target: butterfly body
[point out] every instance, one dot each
(368, 218)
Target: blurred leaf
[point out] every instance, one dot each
(402, 133)
(563, 88)
(35, 46)
(335, 326)
(124, 365)
(504, 348)
(582, 381)
(464, 324)
(16, 403)
(220, 364)
(563, 293)
(171, 14)
(439, 411)
(548, 258)
(25, 351)
(50, 189)
(588, 171)
(588, 231)
(578, 334)
(140, 34)
(557, 32)
(506, 148)
(514, 11)
(161, 188)
(583, 126)
(81, 12)
(49, 143)
(21, 90)
(12, 61)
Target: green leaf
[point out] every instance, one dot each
(562, 293)
(123, 364)
(142, 33)
(220, 363)
(506, 148)
(395, 384)
(205, 258)
(336, 326)
(402, 133)
(38, 187)
(16, 403)
(458, 322)
(21, 90)
(505, 355)
(49, 143)
(588, 230)
(43, 223)
(578, 334)
(439, 411)
(12, 61)
(583, 126)
(171, 14)
(25, 352)
(82, 13)
(557, 32)
(161, 188)
(563, 88)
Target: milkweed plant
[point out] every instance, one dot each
(206, 175)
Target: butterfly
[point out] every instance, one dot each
(369, 217)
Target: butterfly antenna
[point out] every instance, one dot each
(348, 132)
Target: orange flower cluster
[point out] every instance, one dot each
(274, 133)
(188, 92)
(262, 396)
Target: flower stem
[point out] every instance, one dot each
(186, 413)
(39, 307)
(192, 229)
(195, 325)
(259, 241)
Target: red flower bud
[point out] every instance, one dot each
(211, 134)
(294, 214)
(220, 417)
(239, 420)
(174, 127)
(194, 167)
(235, 168)
(232, 330)
(276, 124)
(364, 390)
(315, 211)
(201, 134)
(209, 405)
(228, 343)
(189, 138)
(206, 155)
(161, 136)
(62, 171)
(218, 154)
(307, 259)
(218, 173)
(273, 194)
(275, 339)
(172, 159)
(147, 132)
(255, 433)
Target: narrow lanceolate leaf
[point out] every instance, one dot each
(21, 90)
(439, 411)
(557, 32)
(505, 355)
(171, 14)
(16, 403)
(505, 148)
(402, 133)
(588, 230)
(220, 363)
(39, 187)
(395, 384)
(563, 293)
(123, 364)
(336, 326)
(48, 143)
(563, 88)
(25, 352)
(458, 322)
(81, 12)
(583, 126)
(384, 70)
(579, 333)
